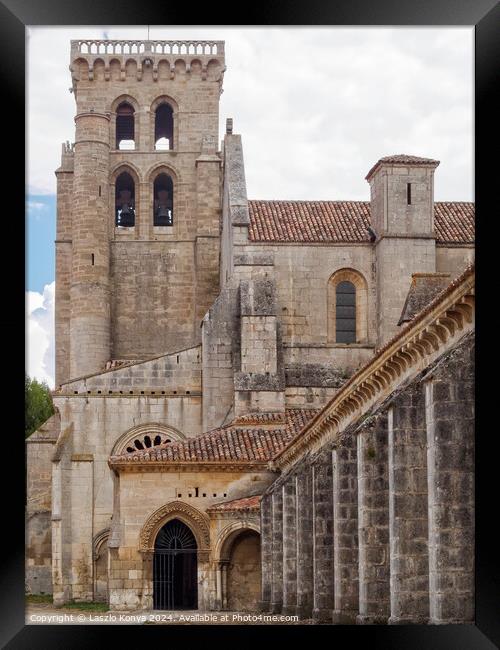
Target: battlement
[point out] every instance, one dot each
(203, 57)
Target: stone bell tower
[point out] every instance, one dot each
(138, 202)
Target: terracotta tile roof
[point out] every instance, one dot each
(454, 222)
(345, 221)
(238, 441)
(247, 503)
(402, 159)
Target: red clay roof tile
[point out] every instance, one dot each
(345, 221)
(245, 439)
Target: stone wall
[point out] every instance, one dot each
(189, 492)
(381, 520)
(39, 450)
(96, 424)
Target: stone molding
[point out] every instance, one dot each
(197, 522)
(129, 436)
(186, 466)
(229, 534)
(433, 331)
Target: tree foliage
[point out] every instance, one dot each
(38, 406)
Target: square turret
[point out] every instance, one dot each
(402, 195)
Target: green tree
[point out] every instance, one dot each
(38, 406)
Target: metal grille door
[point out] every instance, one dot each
(175, 568)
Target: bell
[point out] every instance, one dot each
(162, 211)
(126, 216)
(163, 216)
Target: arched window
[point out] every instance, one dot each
(345, 312)
(347, 307)
(125, 201)
(164, 127)
(125, 133)
(163, 206)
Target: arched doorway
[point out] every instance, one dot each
(240, 568)
(175, 567)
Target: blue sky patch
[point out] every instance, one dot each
(40, 236)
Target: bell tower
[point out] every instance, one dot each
(138, 195)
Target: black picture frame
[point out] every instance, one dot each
(14, 16)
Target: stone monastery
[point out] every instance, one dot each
(260, 405)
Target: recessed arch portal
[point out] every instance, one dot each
(175, 567)
(239, 560)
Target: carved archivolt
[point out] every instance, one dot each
(197, 522)
(228, 536)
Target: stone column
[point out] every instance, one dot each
(277, 551)
(373, 522)
(450, 460)
(323, 537)
(266, 539)
(304, 542)
(218, 587)
(408, 529)
(289, 547)
(345, 527)
(224, 566)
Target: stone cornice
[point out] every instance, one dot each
(433, 331)
(137, 465)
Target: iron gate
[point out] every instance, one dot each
(175, 568)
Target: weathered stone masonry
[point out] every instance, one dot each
(391, 506)
(200, 366)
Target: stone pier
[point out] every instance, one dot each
(266, 546)
(408, 530)
(449, 401)
(323, 566)
(277, 552)
(345, 526)
(373, 522)
(289, 547)
(304, 542)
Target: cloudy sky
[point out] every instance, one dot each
(316, 107)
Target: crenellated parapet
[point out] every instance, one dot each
(119, 59)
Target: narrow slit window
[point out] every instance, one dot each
(408, 193)
(92, 259)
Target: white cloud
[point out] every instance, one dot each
(316, 107)
(40, 353)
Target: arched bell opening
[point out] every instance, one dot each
(125, 201)
(125, 127)
(175, 567)
(163, 206)
(164, 127)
